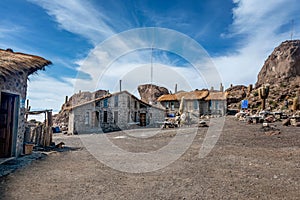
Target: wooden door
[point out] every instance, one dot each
(7, 108)
(143, 119)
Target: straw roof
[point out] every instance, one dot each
(193, 95)
(12, 63)
(217, 96)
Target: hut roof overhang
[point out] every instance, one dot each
(193, 95)
(12, 63)
(222, 96)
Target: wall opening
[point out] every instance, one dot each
(8, 124)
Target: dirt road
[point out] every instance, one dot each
(244, 164)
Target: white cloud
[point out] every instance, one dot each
(46, 92)
(123, 54)
(78, 17)
(258, 23)
(133, 75)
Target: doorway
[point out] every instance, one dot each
(143, 119)
(8, 123)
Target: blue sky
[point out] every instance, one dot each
(238, 36)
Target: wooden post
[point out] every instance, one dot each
(27, 110)
(49, 129)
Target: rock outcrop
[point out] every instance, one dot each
(149, 93)
(236, 94)
(281, 71)
(283, 65)
(62, 117)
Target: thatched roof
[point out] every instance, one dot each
(217, 96)
(12, 63)
(193, 95)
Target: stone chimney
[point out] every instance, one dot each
(221, 88)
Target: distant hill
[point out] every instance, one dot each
(281, 70)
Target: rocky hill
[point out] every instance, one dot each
(282, 66)
(236, 94)
(150, 93)
(281, 71)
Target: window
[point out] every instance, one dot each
(143, 106)
(167, 104)
(128, 102)
(115, 117)
(216, 105)
(105, 117)
(128, 117)
(176, 104)
(196, 105)
(116, 100)
(135, 104)
(96, 116)
(172, 105)
(87, 118)
(135, 116)
(105, 103)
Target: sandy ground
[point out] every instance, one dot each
(244, 164)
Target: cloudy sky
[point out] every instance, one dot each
(95, 43)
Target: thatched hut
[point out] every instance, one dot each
(14, 71)
(198, 102)
(217, 102)
(194, 102)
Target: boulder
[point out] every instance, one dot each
(149, 93)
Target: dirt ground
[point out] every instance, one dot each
(244, 164)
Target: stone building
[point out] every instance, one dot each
(14, 71)
(217, 103)
(195, 103)
(113, 112)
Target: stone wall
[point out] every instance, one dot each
(218, 107)
(80, 119)
(156, 116)
(122, 111)
(17, 85)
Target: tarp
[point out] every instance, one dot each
(244, 104)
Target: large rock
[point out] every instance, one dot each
(149, 93)
(62, 117)
(236, 94)
(282, 71)
(283, 65)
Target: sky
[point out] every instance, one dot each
(95, 43)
